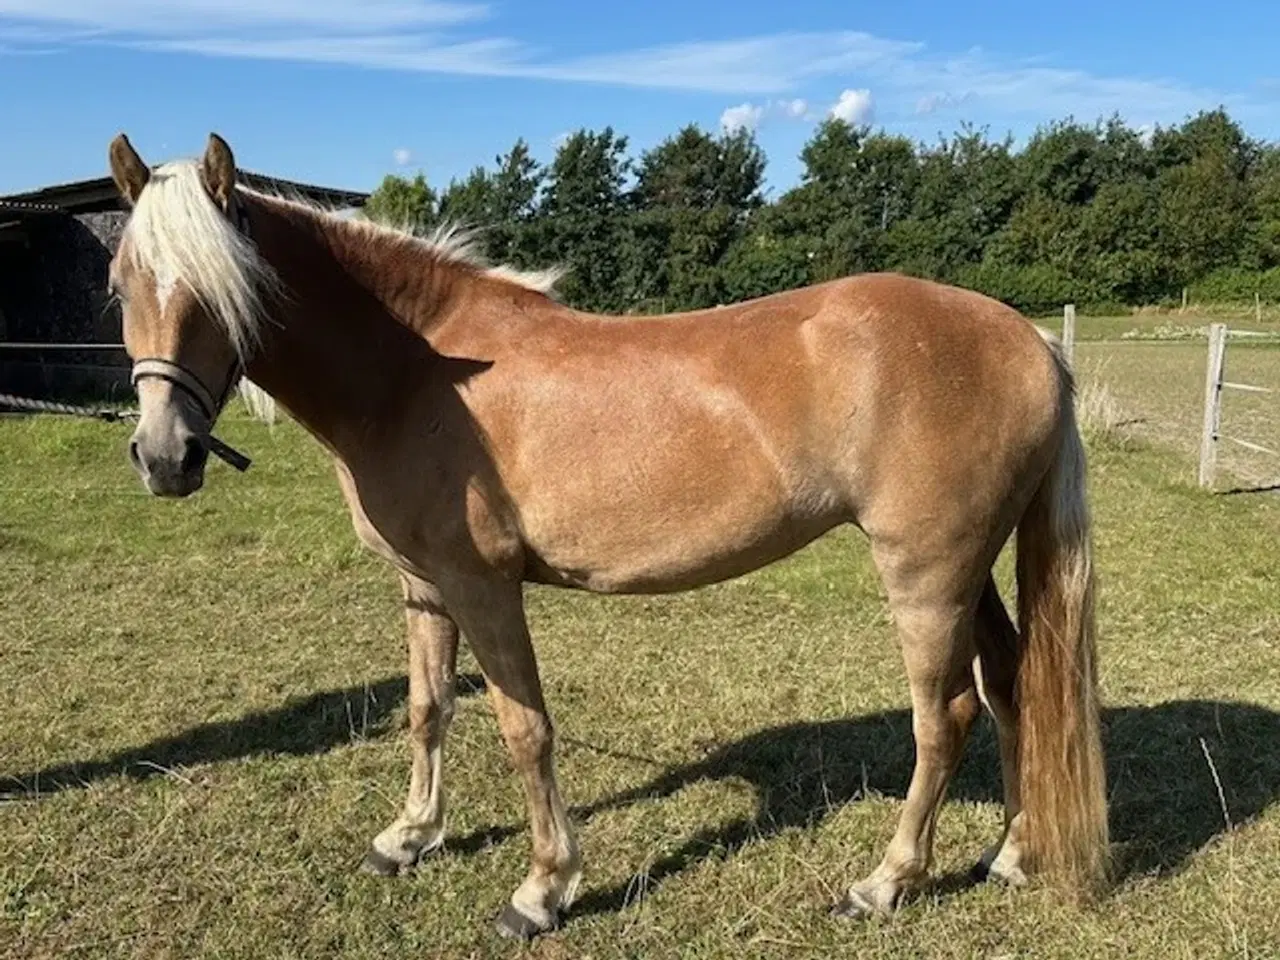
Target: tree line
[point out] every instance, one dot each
(1099, 214)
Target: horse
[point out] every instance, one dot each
(487, 436)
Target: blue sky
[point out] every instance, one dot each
(342, 92)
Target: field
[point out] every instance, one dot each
(204, 705)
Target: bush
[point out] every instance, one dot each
(1037, 289)
(1234, 285)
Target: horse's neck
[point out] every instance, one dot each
(334, 353)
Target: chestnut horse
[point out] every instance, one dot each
(486, 436)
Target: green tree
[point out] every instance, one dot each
(502, 205)
(582, 222)
(1204, 203)
(693, 196)
(403, 203)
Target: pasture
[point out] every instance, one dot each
(204, 707)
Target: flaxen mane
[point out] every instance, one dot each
(179, 235)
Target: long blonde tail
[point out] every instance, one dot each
(1061, 768)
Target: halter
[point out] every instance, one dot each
(160, 368)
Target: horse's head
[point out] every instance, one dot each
(189, 283)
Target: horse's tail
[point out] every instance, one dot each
(1061, 770)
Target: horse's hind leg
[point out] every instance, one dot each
(997, 641)
(933, 607)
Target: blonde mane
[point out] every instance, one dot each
(179, 235)
(456, 244)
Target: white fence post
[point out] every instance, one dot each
(1212, 402)
(1069, 332)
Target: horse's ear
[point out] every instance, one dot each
(218, 171)
(127, 169)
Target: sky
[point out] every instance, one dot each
(343, 92)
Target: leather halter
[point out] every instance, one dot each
(161, 369)
(210, 405)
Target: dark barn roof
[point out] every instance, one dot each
(99, 196)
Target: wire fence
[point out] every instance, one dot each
(1215, 383)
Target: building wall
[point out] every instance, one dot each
(53, 289)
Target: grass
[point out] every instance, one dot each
(205, 699)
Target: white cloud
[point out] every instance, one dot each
(749, 116)
(402, 156)
(745, 116)
(854, 106)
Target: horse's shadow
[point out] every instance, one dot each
(1166, 766)
(300, 727)
(1179, 773)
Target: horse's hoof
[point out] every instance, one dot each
(990, 869)
(1009, 876)
(380, 865)
(854, 907)
(513, 924)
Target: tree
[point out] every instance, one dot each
(502, 205)
(1089, 212)
(693, 196)
(1204, 206)
(582, 219)
(403, 203)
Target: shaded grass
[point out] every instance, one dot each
(202, 734)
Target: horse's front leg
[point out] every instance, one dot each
(433, 654)
(491, 614)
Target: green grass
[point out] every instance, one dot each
(204, 703)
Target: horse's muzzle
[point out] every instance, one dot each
(172, 466)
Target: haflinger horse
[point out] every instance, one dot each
(487, 436)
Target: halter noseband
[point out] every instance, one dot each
(160, 368)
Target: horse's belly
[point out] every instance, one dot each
(656, 544)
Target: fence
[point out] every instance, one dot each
(1214, 384)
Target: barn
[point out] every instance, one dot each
(55, 246)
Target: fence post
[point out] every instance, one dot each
(1069, 332)
(1212, 402)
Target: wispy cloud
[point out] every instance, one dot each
(933, 102)
(173, 17)
(974, 80)
(459, 37)
(402, 156)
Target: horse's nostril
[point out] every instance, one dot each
(134, 456)
(195, 456)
